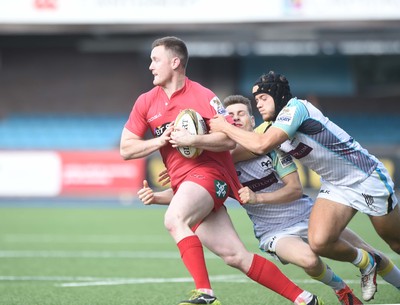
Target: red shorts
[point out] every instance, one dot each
(213, 181)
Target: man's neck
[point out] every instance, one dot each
(176, 84)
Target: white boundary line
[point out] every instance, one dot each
(98, 281)
(92, 239)
(92, 254)
(109, 254)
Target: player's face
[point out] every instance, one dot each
(241, 116)
(161, 66)
(265, 105)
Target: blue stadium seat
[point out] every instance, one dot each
(102, 132)
(63, 132)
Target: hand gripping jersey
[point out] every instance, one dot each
(263, 174)
(323, 146)
(155, 111)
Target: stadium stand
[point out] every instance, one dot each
(370, 129)
(61, 132)
(102, 131)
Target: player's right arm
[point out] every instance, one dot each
(133, 144)
(133, 147)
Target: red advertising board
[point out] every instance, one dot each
(99, 173)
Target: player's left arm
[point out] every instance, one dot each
(214, 142)
(256, 143)
(239, 153)
(291, 191)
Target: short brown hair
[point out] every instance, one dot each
(238, 99)
(176, 45)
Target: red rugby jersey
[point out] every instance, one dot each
(155, 111)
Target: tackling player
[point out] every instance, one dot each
(279, 210)
(352, 179)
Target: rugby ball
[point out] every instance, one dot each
(195, 124)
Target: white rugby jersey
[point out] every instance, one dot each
(263, 174)
(323, 146)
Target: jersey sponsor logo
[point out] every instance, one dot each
(217, 105)
(259, 184)
(159, 130)
(154, 117)
(300, 151)
(221, 188)
(266, 164)
(324, 191)
(286, 160)
(286, 115)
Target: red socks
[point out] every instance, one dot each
(268, 274)
(192, 256)
(262, 271)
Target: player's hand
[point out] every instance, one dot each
(181, 137)
(247, 195)
(166, 136)
(164, 178)
(217, 123)
(146, 194)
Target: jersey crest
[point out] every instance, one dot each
(286, 115)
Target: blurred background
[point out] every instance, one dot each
(70, 71)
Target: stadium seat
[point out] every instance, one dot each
(61, 132)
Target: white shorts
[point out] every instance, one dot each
(374, 196)
(268, 242)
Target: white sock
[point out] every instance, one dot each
(207, 291)
(304, 297)
(359, 257)
(365, 263)
(391, 274)
(328, 277)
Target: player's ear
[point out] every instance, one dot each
(253, 121)
(175, 63)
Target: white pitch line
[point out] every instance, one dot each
(108, 254)
(96, 254)
(228, 278)
(86, 239)
(48, 278)
(82, 281)
(90, 254)
(224, 279)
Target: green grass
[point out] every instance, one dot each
(60, 256)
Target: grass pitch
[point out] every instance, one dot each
(109, 256)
